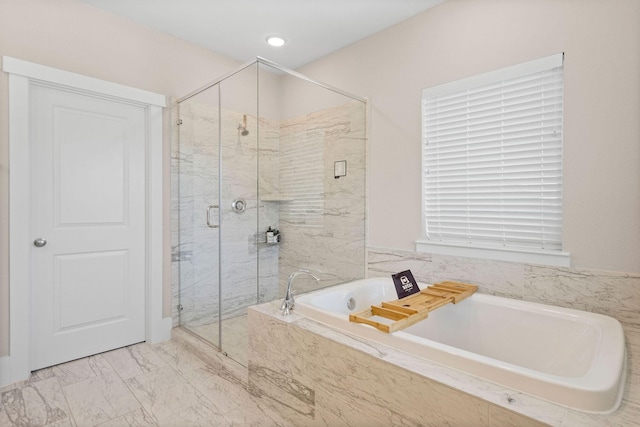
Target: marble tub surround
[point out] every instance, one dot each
(316, 375)
(615, 294)
(385, 262)
(605, 292)
(569, 357)
(179, 382)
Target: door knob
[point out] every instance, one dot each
(39, 242)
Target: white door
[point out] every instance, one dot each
(88, 205)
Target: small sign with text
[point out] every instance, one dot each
(405, 284)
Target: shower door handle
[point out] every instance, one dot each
(209, 216)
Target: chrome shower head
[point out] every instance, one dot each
(242, 127)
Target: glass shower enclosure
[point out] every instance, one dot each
(268, 177)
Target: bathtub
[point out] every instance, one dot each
(568, 357)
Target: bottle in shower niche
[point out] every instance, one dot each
(270, 235)
(276, 236)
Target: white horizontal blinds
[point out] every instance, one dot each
(492, 162)
(301, 180)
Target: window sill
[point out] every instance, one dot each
(557, 259)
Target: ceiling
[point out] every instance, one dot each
(238, 28)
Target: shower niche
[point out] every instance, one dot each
(253, 153)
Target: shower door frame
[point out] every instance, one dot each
(261, 60)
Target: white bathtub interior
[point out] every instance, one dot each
(570, 357)
(550, 342)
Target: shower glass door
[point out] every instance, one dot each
(198, 196)
(256, 151)
(217, 162)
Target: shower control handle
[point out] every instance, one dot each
(39, 242)
(239, 205)
(209, 216)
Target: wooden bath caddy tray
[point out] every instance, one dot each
(412, 309)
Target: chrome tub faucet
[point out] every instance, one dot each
(288, 303)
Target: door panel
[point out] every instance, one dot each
(92, 158)
(89, 289)
(88, 203)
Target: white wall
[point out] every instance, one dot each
(75, 37)
(460, 38)
(456, 39)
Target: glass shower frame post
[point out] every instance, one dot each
(238, 184)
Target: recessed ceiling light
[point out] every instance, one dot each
(276, 41)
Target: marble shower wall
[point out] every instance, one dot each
(249, 269)
(195, 186)
(333, 245)
(268, 183)
(615, 294)
(335, 248)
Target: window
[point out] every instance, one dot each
(492, 162)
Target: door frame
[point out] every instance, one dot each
(22, 74)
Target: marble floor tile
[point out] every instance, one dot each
(165, 385)
(178, 357)
(163, 392)
(81, 369)
(200, 414)
(99, 399)
(39, 403)
(134, 360)
(139, 417)
(41, 374)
